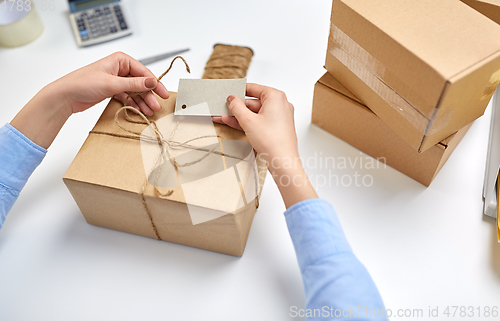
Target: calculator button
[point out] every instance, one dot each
(106, 10)
(84, 34)
(123, 25)
(113, 29)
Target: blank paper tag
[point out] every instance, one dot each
(207, 97)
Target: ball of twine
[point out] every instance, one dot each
(228, 62)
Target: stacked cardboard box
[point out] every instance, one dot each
(409, 77)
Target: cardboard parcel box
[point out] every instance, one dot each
(427, 68)
(198, 188)
(490, 8)
(339, 112)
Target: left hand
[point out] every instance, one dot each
(118, 75)
(45, 114)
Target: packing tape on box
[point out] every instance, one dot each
(494, 81)
(372, 72)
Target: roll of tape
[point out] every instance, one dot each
(19, 23)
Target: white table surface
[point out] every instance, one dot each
(423, 246)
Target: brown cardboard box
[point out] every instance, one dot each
(490, 8)
(339, 112)
(108, 182)
(427, 68)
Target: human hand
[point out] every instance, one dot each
(118, 75)
(267, 121)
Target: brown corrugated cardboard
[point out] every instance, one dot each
(490, 8)
(107, 177)
(426, 68)
(339, 112)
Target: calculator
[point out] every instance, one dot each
(96, 21)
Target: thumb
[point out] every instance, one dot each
(133, 84)
(238, 108)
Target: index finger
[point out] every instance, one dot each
(255, 90)
(130, 66)
(261, 92)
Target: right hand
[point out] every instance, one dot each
(267, 122)
(269, 126)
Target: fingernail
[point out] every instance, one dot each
(150, 83)
(230, 98)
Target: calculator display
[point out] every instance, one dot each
(88, 4)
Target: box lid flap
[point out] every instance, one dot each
(448, 35)
(331, 82)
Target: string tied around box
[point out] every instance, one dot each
(166, 146)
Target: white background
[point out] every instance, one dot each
(423, 246)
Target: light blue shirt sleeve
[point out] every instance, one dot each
(337, 286)
(19, 157)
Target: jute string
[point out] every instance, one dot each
(166, 146)
(228, 62)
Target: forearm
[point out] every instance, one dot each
(333, 277)
(7, 199)
(43, 116)
(19, 158)
(291, 179)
